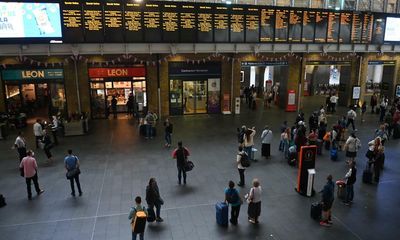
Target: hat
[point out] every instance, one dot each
(300, 123)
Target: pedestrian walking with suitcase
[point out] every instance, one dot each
(154, 199)
(181, 155)
(254, 201)
(138, 215)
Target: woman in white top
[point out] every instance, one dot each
(254, 200)
(266, 139)
(351, 146)
(248, 141)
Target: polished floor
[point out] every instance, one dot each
(116, 165)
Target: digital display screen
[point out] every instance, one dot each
(30, 20)
(379, 28)
(252, 25)
(295, 22)
(333, 27)
(356, 28)
(204, 23)
(281, 25)
(392, 33)
(113, 24)
(237, 24)
(152, 23)
(93, 21)
(321, 26)
(170, 21)
(308, 26)
(133, 22)
(345, 27)
(188, 23)
(221, 23)
(267, 23)
(72, 21)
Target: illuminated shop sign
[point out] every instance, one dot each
(29, 74)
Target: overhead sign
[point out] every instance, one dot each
(116, 72)
(264, 63)
(30, 74)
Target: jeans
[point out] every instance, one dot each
(158, 209)
(248, 151)
(350, 121)
(383, 112)
(181, 171)
(21, 153)
(28, 185)
(235, 210)
(168, 138)
(141, 236)
(349, 193)
(241, 174)
(78, 184)
(54, 132)
(281, 145)
(149, 131)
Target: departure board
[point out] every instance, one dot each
(308, 26)
(321, 26)
(345, 27)
(113, 22)
(133, 22)
(93, 21)
(332, 35)
(152, 22)
(281, 25)
(368, 22)
(267, 25)
(204, 23)
(188, 24)
(170, 22)
(252, 25)
(379, 27)
(356, 28)
(237, 24)
(221, 23)
(295, 24)
(72, 21)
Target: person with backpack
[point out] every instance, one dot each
(351, 177)
(133, 215)
(181, 154)
(240, 134)
(154, 199)
(242, 161)
(328, 196)
(71, 163)
(232, 197)
(266, 139)
(352, 145)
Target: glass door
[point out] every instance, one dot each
(98, 100)
(201, 96)
(194, 97)
(175, 97)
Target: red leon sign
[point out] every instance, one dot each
(116, 72)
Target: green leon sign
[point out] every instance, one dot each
(30, 74)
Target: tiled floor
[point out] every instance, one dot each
(116, 165)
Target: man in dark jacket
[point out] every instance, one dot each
(180, 154)
(327, 202)
(351, 179)
(153, 198)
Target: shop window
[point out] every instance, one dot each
(364, 5)
(317, 3)
(349, 5)
(284, 3)
(57, 97)
(391, 6)
(13, 98)
(334, 4)
(301, 3)
(377, 5)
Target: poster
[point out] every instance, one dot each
(356, 92)
(29, 20)
(214, 99)
(398, 90)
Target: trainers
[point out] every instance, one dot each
(325, 224)
(80, 194)
(159, 219)
(40, 192)
(252, 221)
(73, 194)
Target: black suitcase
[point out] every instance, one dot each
(319, 146)
(316, 211)
(367, 176)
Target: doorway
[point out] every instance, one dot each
(194, 97)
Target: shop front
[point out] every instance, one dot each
(194, 88)
(38, 92)
(380, 78)
(118, 82)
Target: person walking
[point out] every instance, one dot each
(38, 131)
(383, 106)
(379, 161)
(373, 102)
(351, 177)
(363, 111)
(71, 163)
(232, 197)
(168, 132)
(47, 146)
(114, 106)
(153, 198)
(30, 168)
(132, 214)
(352, 145)
(254, 200)
(333, 101)
(266, 139)
(54, 128)
(328, 197)
(240, 167)
(248, 141)
(351, 117)
(20, 145)
(181, 154)
(130, 104)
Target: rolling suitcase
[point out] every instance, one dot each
(341, 189)
(221, 209)
(367, 176)
(316, 211)
(334, 154)
(139, 222)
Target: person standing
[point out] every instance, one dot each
(373, 102)
(153, 198)
(333, 101)
(328, 197)
(181, 154)
(266, 139)
(20, 145)
(130, 104)
(351, 177)
(363, 110)
(30, 167)
(383, 106)
(38, 131)
(132, 215)
(71, 163)
(379, 162)
(232, 197)
(352, 145)
(248, 141)
(54, 129)
(47, 146)
(351, 117)
(150, 122)
(240, 167)
(114, 106)
(254, 200)
(168, 132)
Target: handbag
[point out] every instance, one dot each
(73, 173)
(189, 165)
(21, 172)
(249, 197)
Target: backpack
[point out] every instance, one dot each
(232, 196)
(244, 160)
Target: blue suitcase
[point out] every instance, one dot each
(222, 213)
(334, 154)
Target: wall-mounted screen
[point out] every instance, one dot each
(30, 20)
(392, 32)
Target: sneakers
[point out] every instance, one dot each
(252, 221)
(325, 224)
(40, 192)
(159, 219)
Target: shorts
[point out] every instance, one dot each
(351, 154)
(327, 206)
